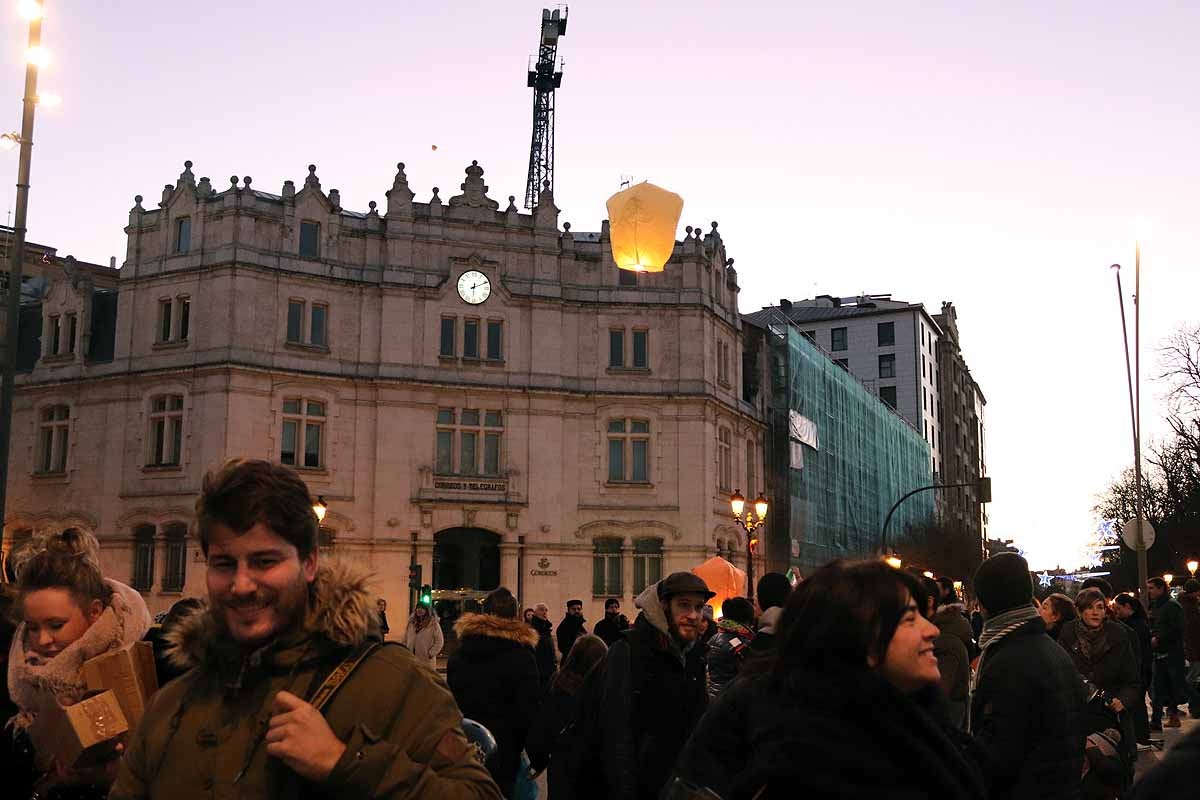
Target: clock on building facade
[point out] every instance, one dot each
(474, 287)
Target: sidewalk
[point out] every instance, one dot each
(1147, 760)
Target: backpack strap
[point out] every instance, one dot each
(334, 680)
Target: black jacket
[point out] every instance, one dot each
(544, 652)
(1113, 669)
(832, 736)
(570, 629)
(548, 741)
(1139, 637)
(1026, 715)
(494, 679)
(611, 629)
(640, 705)
(726, 652)
(1166, 622)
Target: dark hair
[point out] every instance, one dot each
(947, 583)
(773, 590)
(574, 603)
(245, 492)
(1088, 597)
(586, 653)
(1062, 605)
(841, 615)
(1098, 583)
(1159, 582)
(69, 560)
(610, 602)
(1192, 585)
(1129, 601)
(500, 603)
(1003, 582)
(931, 594)
(738, 609)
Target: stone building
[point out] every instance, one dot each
(962, 441)
(472, 390)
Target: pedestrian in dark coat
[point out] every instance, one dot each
(1166, 641)
(494, 678)
(544, 652)
(548, 742)
(952, 650)
(614, 623)
(772, 594)
(831, 718)
(642, 702)
(1132, 614)
(1190, 601)
(571, 628)
(1028, 700)
(1102, 653)
(727, 650)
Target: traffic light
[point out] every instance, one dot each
(985, 490)
(425, 597)
(414, 576)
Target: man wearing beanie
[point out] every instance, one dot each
(640, 704)
(1028, 701)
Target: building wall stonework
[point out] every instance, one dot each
(381, 386)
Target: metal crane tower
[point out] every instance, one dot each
(544, 78)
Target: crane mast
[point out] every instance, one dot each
(544, 78)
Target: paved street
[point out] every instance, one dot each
(1147, 760)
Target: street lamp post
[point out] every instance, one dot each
(1192, 566)
(34, 12)
(983, 488)
(1135, 403)
(750, 524)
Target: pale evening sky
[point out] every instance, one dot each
(999, 156)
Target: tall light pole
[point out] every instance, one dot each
(33, 11)
(1134, 381)
(750, 524)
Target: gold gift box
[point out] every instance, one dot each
(129, 674)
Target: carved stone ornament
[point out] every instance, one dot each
(474, 191)
(619, 529)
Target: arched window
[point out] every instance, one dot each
(176, 572)
(143, 558)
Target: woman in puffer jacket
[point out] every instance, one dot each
(727, 650)
(69, 613)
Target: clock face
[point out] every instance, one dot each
(474, 287)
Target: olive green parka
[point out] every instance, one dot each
(202, 736)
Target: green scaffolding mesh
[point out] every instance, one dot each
(867, 457)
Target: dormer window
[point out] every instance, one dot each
(310, 239)
(62, 331)
(183, 235)
(174, 319)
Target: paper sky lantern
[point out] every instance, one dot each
(723, 578)
(642, 223)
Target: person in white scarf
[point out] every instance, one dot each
(69, 613)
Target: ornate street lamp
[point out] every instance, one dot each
(642, 224)
(750, 524)
(319, 508)
(894, 561)
(1168, 577)
(1192, 566)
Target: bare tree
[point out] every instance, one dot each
(946, 548)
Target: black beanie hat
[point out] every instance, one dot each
(1003, 583)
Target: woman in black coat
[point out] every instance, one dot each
(1132, 614)
(547, 744)
(850, 708)
(1104, 657)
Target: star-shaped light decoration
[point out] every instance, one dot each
(1045, 578)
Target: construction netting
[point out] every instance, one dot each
(848, 458)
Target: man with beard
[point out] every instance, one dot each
(285, 696)
(609, 629)
(571, 628)
(641, 703)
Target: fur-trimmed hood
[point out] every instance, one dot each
(340, 610)
(492, 627)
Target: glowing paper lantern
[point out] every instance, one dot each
(642, 223)
(723, 578)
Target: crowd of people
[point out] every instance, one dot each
(861, 681)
